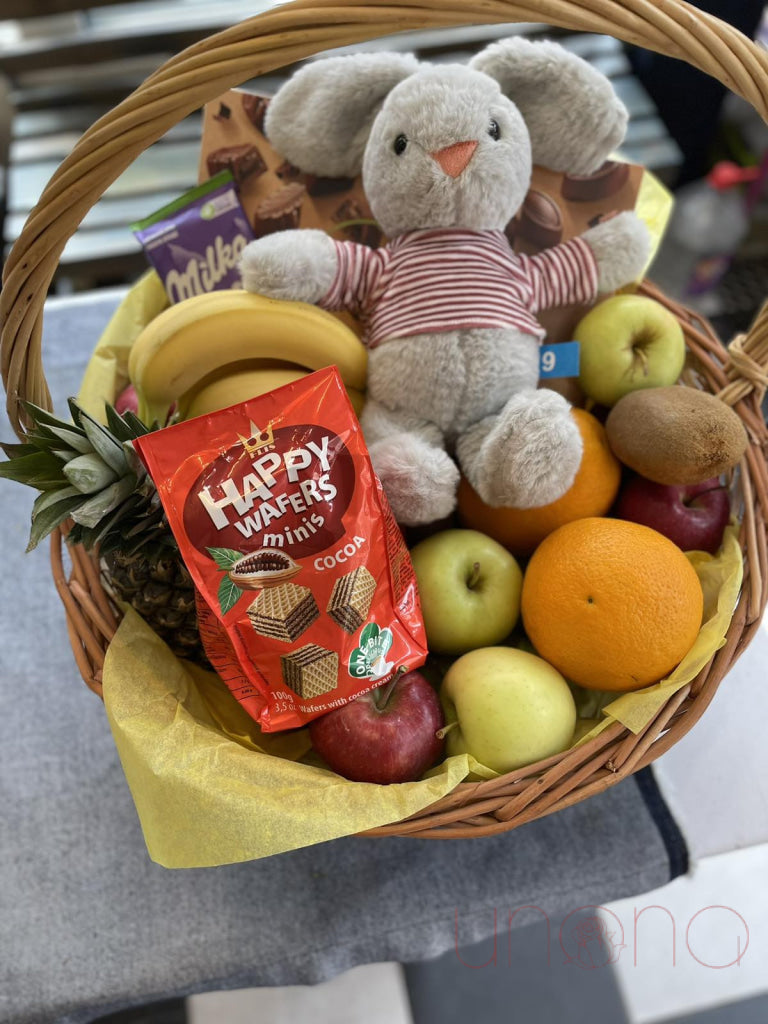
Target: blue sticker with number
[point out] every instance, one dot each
(561, 360)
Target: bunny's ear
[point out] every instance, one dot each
(572, 113)
(320, 119)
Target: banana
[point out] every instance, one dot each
(184, 401)
(237, 387)
(231, 388)
(190, 340)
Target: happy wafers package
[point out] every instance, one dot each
(306, 594)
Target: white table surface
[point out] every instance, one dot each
(716, 778)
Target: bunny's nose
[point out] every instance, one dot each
(453, 159)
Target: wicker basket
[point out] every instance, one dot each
(291, 33)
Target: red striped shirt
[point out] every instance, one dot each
(432, 281)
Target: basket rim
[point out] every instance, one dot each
(498, 805)
(297, 31)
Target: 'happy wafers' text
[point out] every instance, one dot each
(254, 502)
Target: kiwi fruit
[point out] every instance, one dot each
(675, 435)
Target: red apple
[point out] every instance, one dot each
(128, 401)
(693, 516)
(386, 735)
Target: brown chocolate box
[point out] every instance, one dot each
(313, 205)
(332, 203)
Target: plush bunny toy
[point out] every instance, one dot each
(446, 154)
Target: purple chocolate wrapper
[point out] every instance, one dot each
(195, 242)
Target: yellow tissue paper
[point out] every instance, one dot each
(107, 372)
(654, 206)
(209, 787)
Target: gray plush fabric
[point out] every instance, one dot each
(321, 119)
(618, 243)
(298, 265)
(572, 112)
(517, 444)
(89, 924)
(435, 108)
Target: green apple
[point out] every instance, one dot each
(507, 708)
(469, 587)
(628, 342)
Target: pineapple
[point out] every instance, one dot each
(90, 474)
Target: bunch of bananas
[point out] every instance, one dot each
(224, 347)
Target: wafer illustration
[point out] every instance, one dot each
(283, 613)
(310, 671)
(351, 599)
(255, 108)
(242, 161)
(280, 210)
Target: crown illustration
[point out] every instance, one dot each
(259, 441)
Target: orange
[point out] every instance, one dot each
(591, 494)
(612, 605)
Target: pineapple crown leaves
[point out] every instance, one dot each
(89, 473)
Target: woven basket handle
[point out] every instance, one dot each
(283, 36)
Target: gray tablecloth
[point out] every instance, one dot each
(88, 923)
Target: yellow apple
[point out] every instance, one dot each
(507, 708)
(628, 342)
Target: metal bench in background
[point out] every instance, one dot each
(69, 61)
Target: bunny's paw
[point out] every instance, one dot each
(525, 456)
(296, 265)
(621, 246)
(420, 480)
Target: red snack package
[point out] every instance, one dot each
(306, 594)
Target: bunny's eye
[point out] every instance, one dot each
(400, 143)
(493, 130)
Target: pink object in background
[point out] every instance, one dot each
(127, 400)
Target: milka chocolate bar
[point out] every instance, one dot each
(283, 613)
(310, 671)
(242, 161)
(351, 598)
(192, 253)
